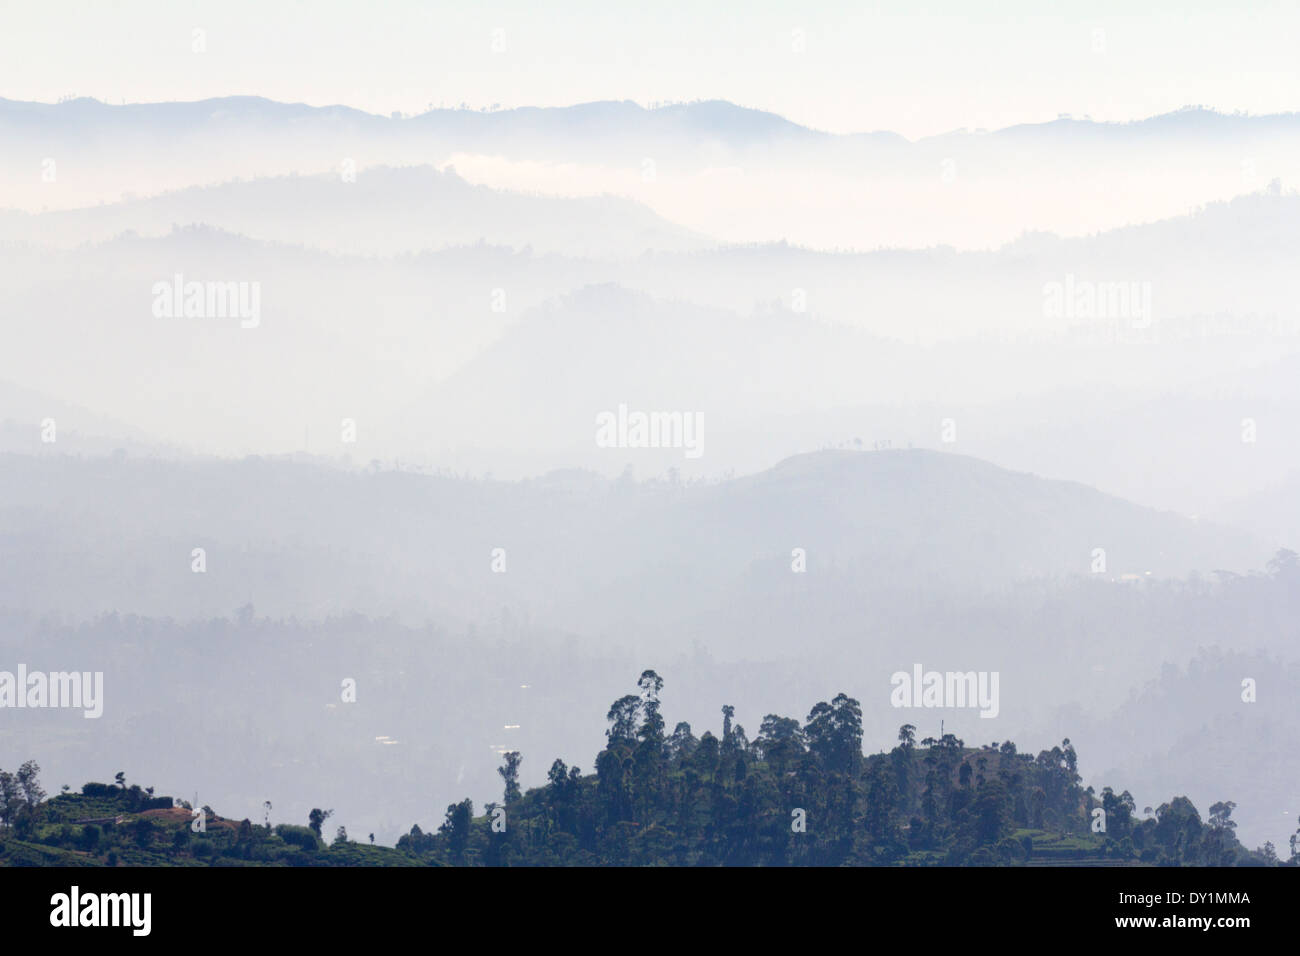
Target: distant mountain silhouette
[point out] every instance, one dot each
(384, 211)
(703, 161)
(738, 126)
(414, 544)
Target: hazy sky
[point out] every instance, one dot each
(915, 68)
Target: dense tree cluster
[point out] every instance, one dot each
(805, 794)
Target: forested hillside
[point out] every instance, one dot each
(801, 794)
